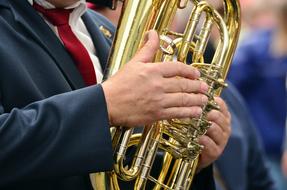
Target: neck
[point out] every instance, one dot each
(62, 3)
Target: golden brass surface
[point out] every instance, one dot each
(176, 140)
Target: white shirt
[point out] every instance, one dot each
(79, 29)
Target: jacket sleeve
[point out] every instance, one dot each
(65, 135)
(204, 179)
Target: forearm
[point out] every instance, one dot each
(63, 135)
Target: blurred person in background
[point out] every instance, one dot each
(259, 72)
(255, 14)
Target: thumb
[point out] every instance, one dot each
(151, 45)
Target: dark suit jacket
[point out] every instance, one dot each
(43, 136)
(53, 132)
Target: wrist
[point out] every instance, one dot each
(107, 94)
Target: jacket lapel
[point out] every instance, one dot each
(42, 34)
(101, 42)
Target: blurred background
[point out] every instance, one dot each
(259, 73)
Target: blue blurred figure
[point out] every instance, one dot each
(259, 72)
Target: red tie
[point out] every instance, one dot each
(60, 19)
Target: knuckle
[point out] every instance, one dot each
(218, 151)
(156, 67)
(213, 115)
(151, 45)
(184, 85)
(228, 130)
(184, 100)
(204, 99)
(195, 112)
(216, 115)
(156, 101)
(204, 141)
(156, 86)
(144, 72)
(225, 137)
(178, 67)
(212, 130)
(195, 72)
(229, 122)
(154, 112)
(203, 87)
(162, 103)
(181, 113)
(150, 68)
(160, 114)
(221, 102)
(195, 85)
(186, 113)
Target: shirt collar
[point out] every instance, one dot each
(79, 7)
(47, 5)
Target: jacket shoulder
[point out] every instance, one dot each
(101, 20)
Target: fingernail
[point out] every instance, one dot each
(204, 87)
(197, 73)
(198, 112)
(146, 37)
(204, 100)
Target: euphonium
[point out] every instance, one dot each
(176, 140)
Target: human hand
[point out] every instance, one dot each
(143, 92)
(284, 163)
(215, 140)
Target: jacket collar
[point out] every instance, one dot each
(42, 34)
(102, 48)
(25, 14)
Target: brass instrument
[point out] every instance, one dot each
(176, 140)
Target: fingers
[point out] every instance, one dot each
(217, 135)
(147, 52)
(173, 69)
(220, 119)
(223, 106)
(215, 140)
(220, 129)
(172, 85)
(210, 151)
(184, 100)
(180, 112)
